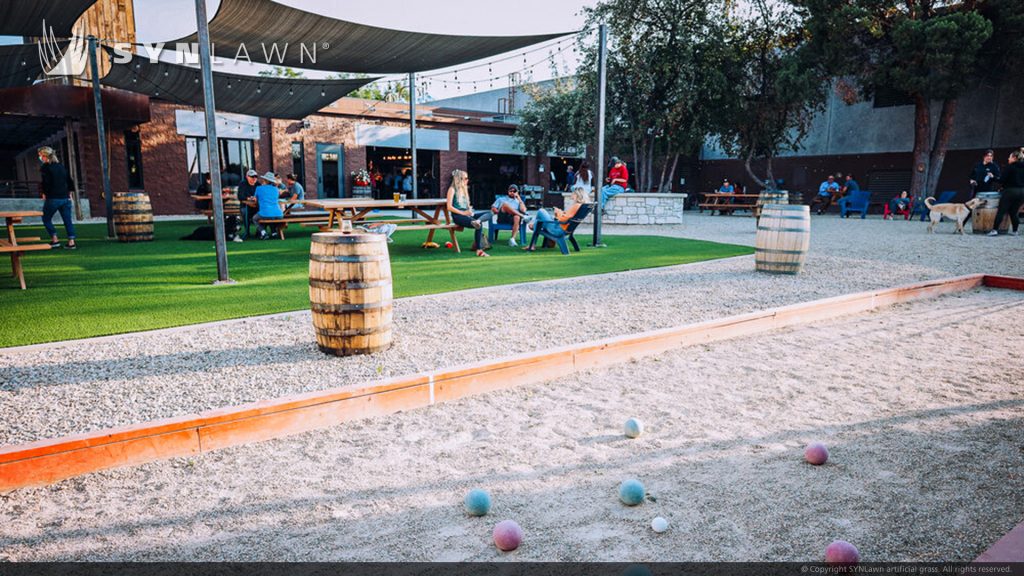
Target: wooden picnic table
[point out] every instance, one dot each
(730, 202)
(11, 245)
(433, 214)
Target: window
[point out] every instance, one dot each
(133, 148)
(299, 162)
(236, 158)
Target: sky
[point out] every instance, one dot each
(159, 20)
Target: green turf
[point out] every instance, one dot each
(108, 287)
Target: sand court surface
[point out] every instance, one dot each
(920, 405)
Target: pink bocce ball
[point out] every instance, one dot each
(508, 535)
(816, 453)
(841, 553)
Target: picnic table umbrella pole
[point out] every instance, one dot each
(212, 148)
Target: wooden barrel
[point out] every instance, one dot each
(350, 292)
(984, 217)
(771, 197)
(783, 237)
(133, 217)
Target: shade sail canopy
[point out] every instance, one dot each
(26, 17)
(19, 64)
(267, 97)
(351, 47)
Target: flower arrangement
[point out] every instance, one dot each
(361, 177)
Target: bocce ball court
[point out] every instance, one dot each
(890, 428)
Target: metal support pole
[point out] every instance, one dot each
(101, 133)
(412, 132)
(212, 146)
(602, 57)
(69, 133)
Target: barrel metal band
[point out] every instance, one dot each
(317, 307)
(774, 217)
(339, 238)
(347, 259)
(767, 229)
(773, 251)
(342, 284)
(354, 331)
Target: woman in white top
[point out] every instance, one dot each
(584, 179)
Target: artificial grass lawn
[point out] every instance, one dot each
(108, 287)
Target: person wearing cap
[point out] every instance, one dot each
(56, 188)
(726, 187)
(618, 178)
(510, 209)
(264, 200)
(246, 190)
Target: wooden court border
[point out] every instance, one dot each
(51, 460)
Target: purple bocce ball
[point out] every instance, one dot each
(508, 535)
(816, 453)
(841, 553)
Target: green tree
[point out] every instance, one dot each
(560, 117)
(282, 72)
(778, 85)
(930, 50)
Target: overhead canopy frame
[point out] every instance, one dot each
(343, 46)
(263, 96)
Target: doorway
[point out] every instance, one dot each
(329, 159)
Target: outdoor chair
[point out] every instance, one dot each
(923, 210)
(905, 211)
(856, 201)
(553, 231)
(496, 224)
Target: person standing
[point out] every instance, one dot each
(462, 211)
(570, 178)
(407, 183)
(584, 179)
(618, 179)
(1013, 194)
(56, 188)
(985, 174)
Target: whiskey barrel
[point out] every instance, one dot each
(984, 218)
(350, 292)
(771, 197)
(783, 237)
(133, 217)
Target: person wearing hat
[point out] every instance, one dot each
(246, 190)
(264, 200)
(510, 209)
(618, 179)
(56, 188)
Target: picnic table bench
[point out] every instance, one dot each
(12, 247)
(730, 203)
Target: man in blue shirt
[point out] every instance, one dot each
(827, 194)
(265, 199)
(849, 188)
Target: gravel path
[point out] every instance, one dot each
(63, 389)
(920, 405)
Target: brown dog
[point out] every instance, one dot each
(954, 211)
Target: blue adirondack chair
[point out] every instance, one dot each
(945, 197)
(494, 227)
(553, 231)
(856, 201)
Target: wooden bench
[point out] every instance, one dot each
(279, 224)
(16, 250)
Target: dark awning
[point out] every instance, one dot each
(26, 17)
(267, 97)
(19, 64)
(351, 47)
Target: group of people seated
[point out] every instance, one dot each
(259, 198)
(510, 209)
(830, 191)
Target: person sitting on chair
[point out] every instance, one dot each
(562, 217)
(265, 200)
(827, 194)
(510, 209)
(462, 211)
(898, 204)
(294, 193)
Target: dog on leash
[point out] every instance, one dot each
(956, 212)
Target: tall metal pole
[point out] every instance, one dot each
(602, 56)
(212, 146)
(412, 132)
(69, 132)
(101, 133)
